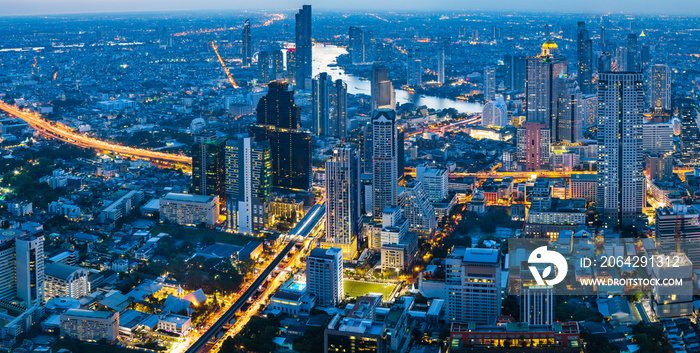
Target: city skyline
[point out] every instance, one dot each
(67, 7)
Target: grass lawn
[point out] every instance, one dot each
(79, 347)
(195, 234)
(358, 288)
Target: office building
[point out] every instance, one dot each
(292, 63)
(632, 52)
(537, 305)
(248, 184)
(208, 167)
(584, 68)
(29, 269)
(354, 335)
(343, 213)
(65, 281)
(557, 337)
(657, 137)
(398, 245)
(303, 48)
(324, 276)
(278, 121)
(418, 209)
(330, 106)
(472, 285)
(677, 227)
(516, 71)
(277, 64)
(414, 67)
(21, 270)
(246, 47)
(489, 83)
(441, 66)
(264, 66)
(621, 192)
(590, 110)
(584, 186)
(435, 182)
(659, 167)
(385, 160)
(570, 110)
(382, 90)
(690, 135)
(622, 63)
(659, 87)
(360, 45)
(495, 113)
(189, 209)
(90, 325)
(533, 146)
(544, 85)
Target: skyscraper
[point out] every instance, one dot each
(29, 259)
(382, 88)
(361, 45)
(621, 193)
(472, 289)
(303, 47)
(278, 121)
(441, 66)
(659, 87)
(246, 49)
(489, 83)
(544, 85)
(414, 68)
(418, 209)
(330, 106)
(690, 134)
(516, 71)
(343, 200)
(292, 66)
(533, 146)
(248, 183)
(585, 59)
(632, 50)
(385, 160)
(324, 276)
(208, 167)
(277, 64)
(570, 120)
(495, 113)
(22, 269)
(264, 66)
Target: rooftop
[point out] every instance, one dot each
(188, 197)
(90, 313)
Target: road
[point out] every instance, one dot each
(201, 343)
(63, 133)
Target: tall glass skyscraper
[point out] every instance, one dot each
(303, 48)
(382, 89)
(343, 200)
(208, 167)
(330, 106)
(544, 85)
(585, 59)
(385, 160)
(278, 121)
(621, 193)
(246, 49)
(248, 183)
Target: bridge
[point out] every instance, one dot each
(64, 133)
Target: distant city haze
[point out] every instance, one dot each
(650, 7)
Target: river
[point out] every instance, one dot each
(323, 56)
